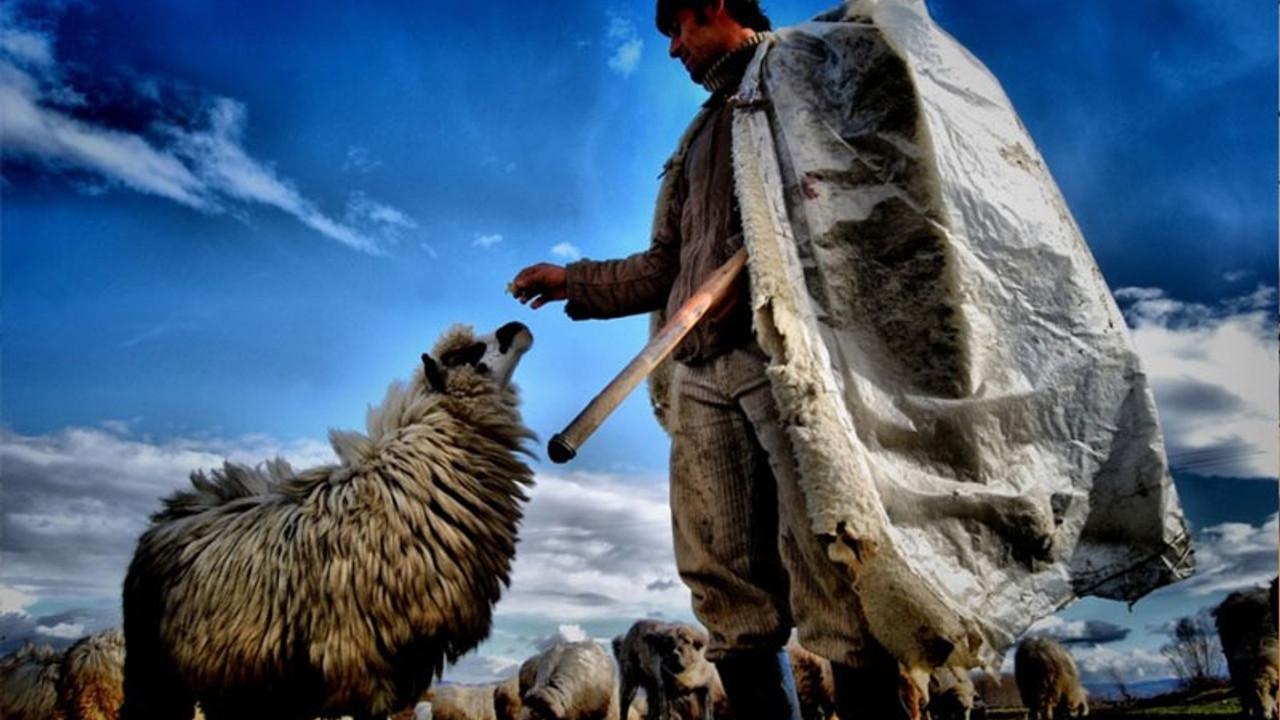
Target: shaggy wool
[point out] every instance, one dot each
(265, 592)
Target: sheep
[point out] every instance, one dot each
(91, 685)
(1048, 680)
(665, 660)
(506, 699)
(569, 681)
(462, 702)
(951, 694)
(343, 589)
(29, 683)
(1246, 626)
(815, 685)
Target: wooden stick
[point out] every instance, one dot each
(564, 445)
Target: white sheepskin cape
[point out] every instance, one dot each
(973, 430)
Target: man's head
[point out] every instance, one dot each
(702, 31)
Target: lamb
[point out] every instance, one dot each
(29, 683)
(343, 589)
(951, 694)
(569, 681)
(91, 686)
(1048, 680)
(1247, 628)
(665, 660)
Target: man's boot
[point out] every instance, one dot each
(759, 685)
(869, 693)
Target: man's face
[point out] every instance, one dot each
(698, 41)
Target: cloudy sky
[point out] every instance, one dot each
(228, 225)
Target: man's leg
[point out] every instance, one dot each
(725, 527)
(826, 609)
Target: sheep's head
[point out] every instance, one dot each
(461, 361)
(679, 646)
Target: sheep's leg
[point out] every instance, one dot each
(625, 698)
(658, 709)
(704, 697)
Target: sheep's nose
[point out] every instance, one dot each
(511, 334)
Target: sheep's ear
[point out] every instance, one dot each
(435, 378)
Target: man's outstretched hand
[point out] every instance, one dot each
(541, 283)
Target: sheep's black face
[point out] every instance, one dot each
(494, 355)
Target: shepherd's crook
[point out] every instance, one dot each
(564, 445)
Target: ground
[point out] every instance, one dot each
(1217, 702)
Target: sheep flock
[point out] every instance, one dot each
(269, 593)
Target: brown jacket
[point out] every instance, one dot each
(695, 233)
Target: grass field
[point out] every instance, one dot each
(1217, 702)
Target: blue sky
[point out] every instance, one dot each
(228, 225)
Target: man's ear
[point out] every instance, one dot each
(431, 371)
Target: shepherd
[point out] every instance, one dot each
(916, 424)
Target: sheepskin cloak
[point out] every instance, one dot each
(975, 436)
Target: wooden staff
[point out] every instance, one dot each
(564, 445)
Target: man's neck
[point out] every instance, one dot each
(727, 70)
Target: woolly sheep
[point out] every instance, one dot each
(1048, 680)
(1247, 628)
(462, 702)
(91, 686)
(506, 699)
(29, 683)
(569, 681)
(343, 589)
(666, 661)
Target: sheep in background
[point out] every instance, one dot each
(462, 702)
(506, 699)
(91, 686)
(665, 660)
(343, 589)
(29, 683)
(1247, 629)
(1048, 680)
(569, 681)
(951, 694)
(815, 686)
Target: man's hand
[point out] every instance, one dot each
(541, 283)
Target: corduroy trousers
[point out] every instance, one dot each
(742, 539)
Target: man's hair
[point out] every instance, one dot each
(746, 12)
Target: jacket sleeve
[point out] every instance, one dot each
(638, 283)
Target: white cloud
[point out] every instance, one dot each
(1214, 371)
(566, 251)
(359, 160)
(1233, 555)
(63, 631)
(594, 547)
(1101, 664)
(202, 166)
(14, 599)
(486, 241)
(626, 45)
(76, 501)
